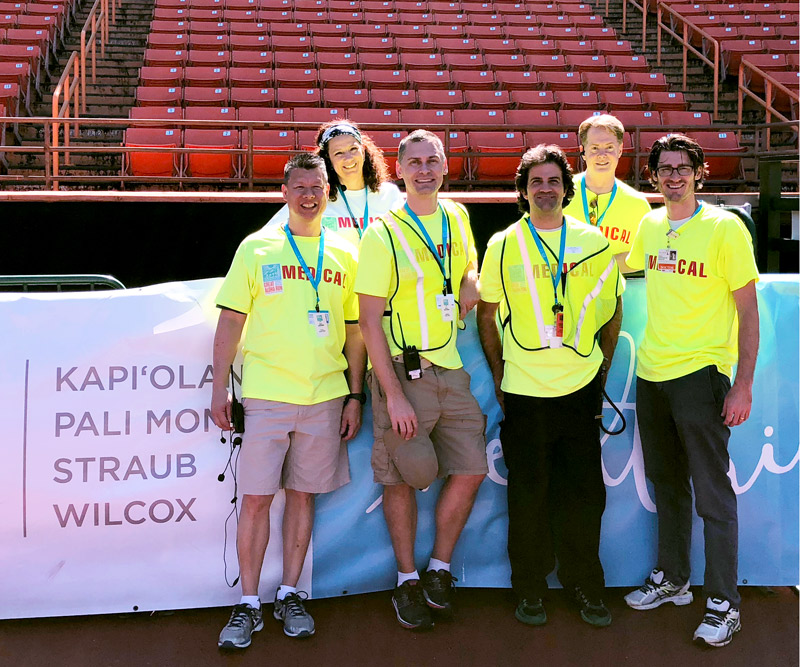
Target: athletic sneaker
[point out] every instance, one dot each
(297, 622)
(244, 621)
(720, 623)
(531, 612)
(437, 587)
(656, 591)
(410, 605)
(593, 611)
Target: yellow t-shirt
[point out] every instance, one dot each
(383, 257)
(691, 313)
(621, 219)
(284, 358)
(592, 285)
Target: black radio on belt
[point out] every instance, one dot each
(412, 363)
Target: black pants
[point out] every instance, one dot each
(556, 494)
(684, 436)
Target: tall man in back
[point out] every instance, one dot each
(416, 281)
(601, 199)
(701, 276)
(302, 385)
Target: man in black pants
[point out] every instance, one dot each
(560, 285)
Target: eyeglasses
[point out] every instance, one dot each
(665, 171)
(593, 211)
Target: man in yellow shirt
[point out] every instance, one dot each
(601, 199)
(417, 278)
(701, 276)
(560, 286)
(302, 385)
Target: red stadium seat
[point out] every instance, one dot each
(722, 167)
(387, 98)
(316, 115)
(432, 61)
(10, 97)
(290, 77)
(248, 28)
(613, 99)
(338, 60)
(378, 61)
(574, 117)
(151, 163)
(250, 77)
(454, 142)
(333, 44)
(367, 30)
(530, 30)
(161, 76)
(635, 118)
(441, 99)
(495, 45)
(366, 116)
(387, 141)
(252, 97)
(537, 47)
(561, 34)
(167, 114)
(447, 30)
(159, 96)
(587, 63)
(456, 45)
(209, 58)
(384, 78)
(595, 33)
(158, 40)
(664, 101)
(205, 97)
(628, 63)
(474, 80)
(613, 47)
(398, 30)
(374, 44)
(429, 79)
(533, 99)
(463, 117)
(297, 29)
(265, 114)
(606, 80)
(211, 113)
(213, 77)
(205, 28)
(767, 62)
(576, 99)
(566, 141)
(500, 62)
(541, 63)
(292, 43)
(531, 118)
(340, 78)
(487, 99)
(647, 81)
(500, 167)
(346, 97)
(299, 97)
(573, 47)
(414, 45)
(251, 42)
(681, 119)
(733, 50)
(165, 57)
(205, 42)
(211, 165)
(780, 100)
(516, 80)
(425, 117)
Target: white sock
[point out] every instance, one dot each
(403, 577)
(253, 600)
(436, 565)
(284, 590)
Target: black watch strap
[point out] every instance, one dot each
(361, 398)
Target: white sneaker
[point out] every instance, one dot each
(720, 623)
(656, 591)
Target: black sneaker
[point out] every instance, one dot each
(409, 604)
(437, 586)
(531, 612)
(593, 611)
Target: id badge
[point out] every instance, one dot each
(553, 339)
(320, 321)
(667, 260)
(446, 303)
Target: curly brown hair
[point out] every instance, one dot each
(542, 154)
(374, 171)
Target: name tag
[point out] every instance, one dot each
(320, 321)
(272, 278)
(667, 260)
(446, 303)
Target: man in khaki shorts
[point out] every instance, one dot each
(417, 278)
(302, 385)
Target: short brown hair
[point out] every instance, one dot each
(542, 154)
(416, 137)
(604, 121)
(308, 161)
(673, 143)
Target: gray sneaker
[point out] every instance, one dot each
(656, 591)
(297, 622)
(244, 621)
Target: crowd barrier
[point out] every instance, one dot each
(109, 499)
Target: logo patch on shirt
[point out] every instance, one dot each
(329, 222)
(271, 276)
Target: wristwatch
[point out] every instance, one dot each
(361, 398)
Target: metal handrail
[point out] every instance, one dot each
(92, 280)
(684, 40)
(96, 20)
(643, 9)
(766, 103)
(69, 84)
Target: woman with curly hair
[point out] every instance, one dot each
(359, 179)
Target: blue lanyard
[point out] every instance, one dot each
(673, 234)
(555, 277)
(365, 219)
(314, 280)
(439, 260)
(586, 202)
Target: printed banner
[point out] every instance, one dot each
(109, 499)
